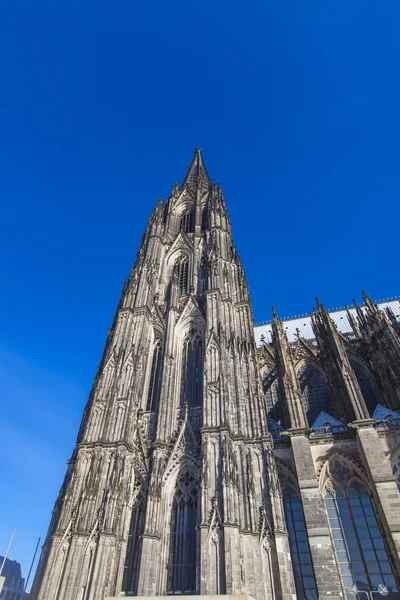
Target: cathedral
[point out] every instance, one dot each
(220, 457)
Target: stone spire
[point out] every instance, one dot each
(165, 487)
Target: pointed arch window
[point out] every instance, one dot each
(153, 396)
(365, 385)
(181, 273)
(360, 548)
(304, 576)
(133, 555)
(182, 562)
(273, 401)
(192, 370)
(314, 391)
(186, 222)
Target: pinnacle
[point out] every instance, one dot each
(197, 175)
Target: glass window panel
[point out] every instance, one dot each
(367, 544)
(346, 521)
(357, 511)
(389, 581)
(342, 556)
(358, 568)
(352, 544)
(355, 555)
(369, 555)
(305, 558)
(368, 510)
(385, 567)
(375, 532)
(359, 521)
(362, 582)
(363, 533)
(349, 533)
(373, 567)
(375, 580)
(330, 503)
(309, 582)
(347, 582)
(335, 523)
(354, 500)
(301, 536)
(378, 543)
(339, 545)
(337, 534)
(381, 555)
(303, 547)
(341, 500)
(345, 568)
(308, 570)
(298, 515)
(311, 595)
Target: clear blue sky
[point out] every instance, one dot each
(296, 106)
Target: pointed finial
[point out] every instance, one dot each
(320, 306)
(352, 321)
(359, 311)
(368, 301)
(198, 150)
(275, 315)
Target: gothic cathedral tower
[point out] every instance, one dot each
(172, 487)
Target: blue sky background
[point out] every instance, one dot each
(296, 106)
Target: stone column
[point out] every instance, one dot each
(384, 486)
(322, 552)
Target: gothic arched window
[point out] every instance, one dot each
(273, 401)
(192, 369)
(132, 562)
(365, 385)
(186, 223)
(182, 561)
(304, 577)
(314, 391)
(153, 395)
(359, 545)
(181, 273)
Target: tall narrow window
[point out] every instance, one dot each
(365, 385)
(132, 563)
(360, 547)
(204, 219)
(181, 272)
(314, 391)
(186, 223)
(192, 370)
(155, 379)
(182, 563)
(304, 577)
(273, 402)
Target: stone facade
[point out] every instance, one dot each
(205, 465)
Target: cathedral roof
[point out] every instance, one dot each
(302, 326)
(197, 173)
